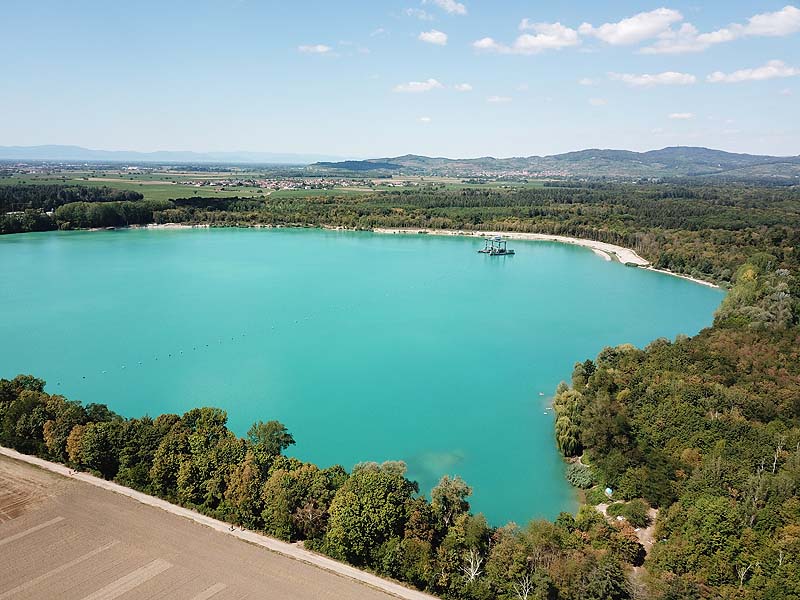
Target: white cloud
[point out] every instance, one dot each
(598, 101)
(547, 36)
(434, 36)
(585, 81)
(449, 6)
(487, 44)
(773, 69)
(415, 87)
(418, 13)
(786, 92)
(681, 116)
(635, 29)
(314, 49)
(647, 80)
(462, 87)
(424, 119)
(378, 31)
(498, 99)
(780, 23)
(688, 39)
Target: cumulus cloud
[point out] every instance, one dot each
(647, 80)
(462, 87)
(598, 101)
(681, 116)
(449, 6)
(546, 36)
(487, 44)
(635, 29)
(585, 81)
(314, 49)
(771, 70)
(775, 24)
(416, 87)
(687, 38)
(498, 99)
(424, 119)
(434, 36)
(418, 13)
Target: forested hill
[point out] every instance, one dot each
(707, 429)
(680, 161)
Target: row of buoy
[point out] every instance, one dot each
(219, 341)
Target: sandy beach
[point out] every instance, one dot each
(602, 249)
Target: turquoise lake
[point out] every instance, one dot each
(367, 346)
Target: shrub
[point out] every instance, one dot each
(580, 476)
(596, 496)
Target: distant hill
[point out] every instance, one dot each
(679, 161)
(77, 153)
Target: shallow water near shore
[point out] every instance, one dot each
(367, 346)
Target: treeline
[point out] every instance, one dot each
(26, 208)
(48, 197)
(708, 430)
(372, 517)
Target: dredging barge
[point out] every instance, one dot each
(496, 247)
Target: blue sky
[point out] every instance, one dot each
(437, 77)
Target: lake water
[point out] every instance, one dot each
(367, 346)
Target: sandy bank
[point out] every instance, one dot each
(601, 254)
(624, 255)
(175, 226)
(602, 249)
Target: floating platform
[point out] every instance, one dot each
(496, 247)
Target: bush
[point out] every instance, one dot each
(596, 496)
(580, 476)
(635, 512)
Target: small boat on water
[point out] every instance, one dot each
(496, 247)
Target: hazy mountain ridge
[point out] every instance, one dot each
(677, 161)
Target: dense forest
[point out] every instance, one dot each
(706, 429)
(680, 227)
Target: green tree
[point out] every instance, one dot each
(370, 508)
(270, 438)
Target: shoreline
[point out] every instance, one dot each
(604, 250)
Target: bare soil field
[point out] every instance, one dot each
(64, 538)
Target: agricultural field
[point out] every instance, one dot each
(167, 184)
